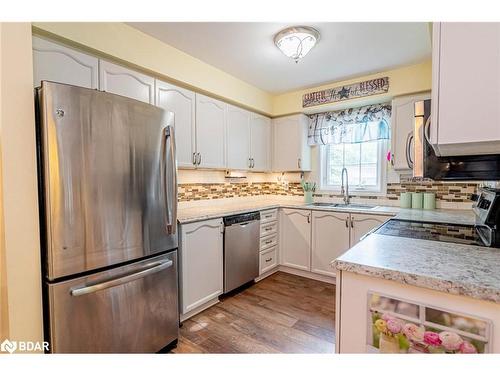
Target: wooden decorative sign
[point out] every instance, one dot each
(355, 90)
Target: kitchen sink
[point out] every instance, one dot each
(342, 205)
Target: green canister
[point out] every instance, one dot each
(429, 201)
(417, 200)
(405, 200)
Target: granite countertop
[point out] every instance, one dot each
(204, 211)
(467, 270)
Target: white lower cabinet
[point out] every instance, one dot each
(268, 260)
(201, 260)
(268, 249)
(295, 238)
(362, 224)
(330, 239)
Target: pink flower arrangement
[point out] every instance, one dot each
(394, 326)
(388, 325)
(432, 338)
(467, 348)
(421, 340)
(450, 340)
(413, 332)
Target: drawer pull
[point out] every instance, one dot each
(268, 216)
(268, 241)
(268, 260)
(268, 229)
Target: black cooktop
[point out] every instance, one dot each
(456, 233)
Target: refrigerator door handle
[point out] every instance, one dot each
(128, 277)
(170, 199)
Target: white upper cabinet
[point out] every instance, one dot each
(119, 80)
(330, 239)
(260, 142)
(210, 132)
(54, 62)
(402, 125)
(466, 88)
(291, 152)
(238, 138)
(182, 103)
(361, 224)
(295, 238)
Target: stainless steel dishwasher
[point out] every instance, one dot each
(241, 249)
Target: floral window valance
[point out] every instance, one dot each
(353, 125)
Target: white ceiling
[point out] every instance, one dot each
(247, 51)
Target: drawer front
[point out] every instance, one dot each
(268, 228)
(269, 215)
(268, 260)
(268, 241)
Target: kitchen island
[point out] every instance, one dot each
(440, 286)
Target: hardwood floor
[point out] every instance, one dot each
(283, 313)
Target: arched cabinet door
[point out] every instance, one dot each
(238, 138)
(182, 103)
(362, 224)
(260, 139)
(201, 259)
(210, 132)
(330, 239)
(122, 81)
(295, 238)
(57, 63)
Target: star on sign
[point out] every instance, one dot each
(344, 93)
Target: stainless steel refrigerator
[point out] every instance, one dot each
(108, 203)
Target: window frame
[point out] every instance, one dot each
(381, 189)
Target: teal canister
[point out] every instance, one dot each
(417, 200)
(308, 197)
(429, 201)
(405, 200)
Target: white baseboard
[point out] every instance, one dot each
(199, 309)
(266, 274)
(307, 274)
(294, 271)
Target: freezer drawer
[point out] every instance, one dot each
(129, 309)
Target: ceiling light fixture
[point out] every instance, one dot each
(295, 42)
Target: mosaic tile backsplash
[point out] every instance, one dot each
(445, 191)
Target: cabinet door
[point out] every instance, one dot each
(295, 238)
(466, 65)
(402, 125)
(291, 152)
(210, 131)
(362, 224)
(122, 81)
(237, 138)
(330, 239)
(183, 103)
(53, 62)
(201, 255)
(260, 142)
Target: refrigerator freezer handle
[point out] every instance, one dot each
(128, 277)
(171, 204)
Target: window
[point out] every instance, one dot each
(364, 163)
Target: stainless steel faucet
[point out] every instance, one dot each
(345, 190)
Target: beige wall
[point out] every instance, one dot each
(406, 80)
(137, 49)
(20, 259)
